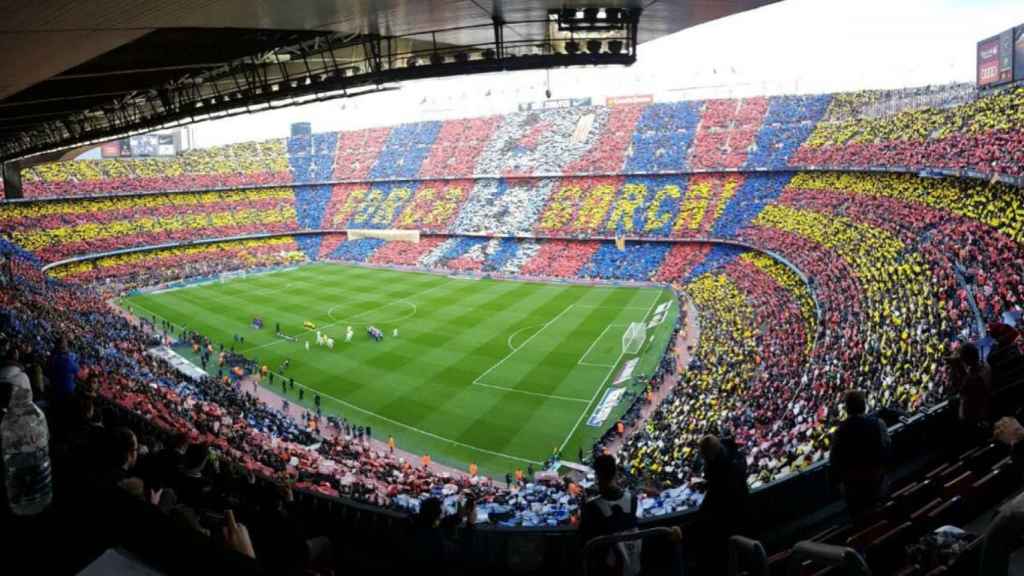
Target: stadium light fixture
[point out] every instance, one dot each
(591, 19)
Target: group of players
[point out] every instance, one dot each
(323, 339)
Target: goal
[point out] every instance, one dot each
(633, 338)
(229, 276)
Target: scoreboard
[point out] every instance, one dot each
(1018, 52)
(1001, 58)
(142, 146)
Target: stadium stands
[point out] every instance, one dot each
(754, 312)
(829, 224)
(234, 166)
(838, 279)
(983, 136)
(117, 274)
(947, 128)
(62, 229)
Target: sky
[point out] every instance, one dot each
(791, 47)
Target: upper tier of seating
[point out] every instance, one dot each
(949, 128)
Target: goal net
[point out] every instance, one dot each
(633, 338)
(387, 235)
(229, 276)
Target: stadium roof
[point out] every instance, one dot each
(86, 71)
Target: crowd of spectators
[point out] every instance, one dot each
(123, 273)
(984, 135)
(726, 133)
(226, 167)
(574, 260)
(662, 135)
(946, 127)
(882, 103)
(969, 232)
(230, 422)
(757, 322)
(893, 295)
(66, 228)
(787, 123)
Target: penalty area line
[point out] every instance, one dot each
(403, 424)
(516, 333)
(528, 393)
(580, 362)
(604, 383)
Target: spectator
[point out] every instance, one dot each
(1005, 351)
(62, 370)
(971, 381)
(191, 484)
(1003, 535)
(723, 513)
(171, 459)
(859, 449)
(282, 538)
(124, 452)
(612, 511)
(433, 544)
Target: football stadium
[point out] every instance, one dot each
(518, 287)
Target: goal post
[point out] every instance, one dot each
(633, 338)
(388, 235)
(229, 276)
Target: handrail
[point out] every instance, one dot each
(753, 555)
(673, 536)
(845, 558)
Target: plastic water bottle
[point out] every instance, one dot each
(26, 455)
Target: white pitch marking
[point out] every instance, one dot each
(408, 427)
(513, 335)
(525, 342)
(594, 343)
(328, 325)
(605, 381)
(528, 393)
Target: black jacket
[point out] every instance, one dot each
(860, 448)
(724, 509)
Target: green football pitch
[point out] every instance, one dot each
(493, 372)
